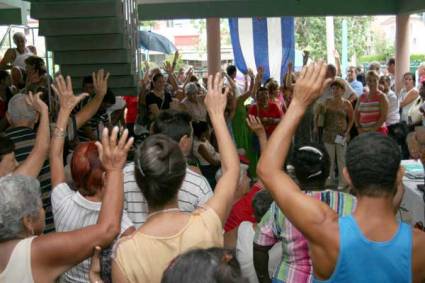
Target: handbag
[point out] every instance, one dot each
(414, 115)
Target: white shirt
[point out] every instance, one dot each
(406, 108)
(393, 116)
(194, 192)
(71, 212)
(245, 255)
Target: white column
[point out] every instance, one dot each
(402, 43)
(213, 45)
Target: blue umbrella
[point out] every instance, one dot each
(155, 42)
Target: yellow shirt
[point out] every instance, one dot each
(143, 258)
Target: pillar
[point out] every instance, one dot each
(402, 43)
(213, 45)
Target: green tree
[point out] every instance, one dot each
(310, 33)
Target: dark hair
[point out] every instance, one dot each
(386, 79)
(87, 80)
(331, 69)
(410, 74)
(174, 124)
(312, 165)
(6, 146)
(109, 97)
(37, 63)
(160, 169)
(3, 75)
(86, 169)
(231, 70)
(157, 76)
(261, 203)
(213, 265)
(391, 61)
(373, 161)
(199, 128)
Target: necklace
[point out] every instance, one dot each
(175, 209)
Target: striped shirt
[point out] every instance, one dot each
(194, 192)
(369, 110)
(72, 211)
(24, 140)
(295, 265)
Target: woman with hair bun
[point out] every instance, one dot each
(168, 232)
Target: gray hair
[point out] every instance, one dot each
(243, 170)
(191, 89)
(18, 109)
(261, 203)
(19, 197)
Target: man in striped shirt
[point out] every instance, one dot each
(22, 145)
(195, 189)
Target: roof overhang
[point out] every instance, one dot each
(178, 9)
(13, 12)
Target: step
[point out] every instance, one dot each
(93, 56)
(113, 81)
(87, 42)
(108, 25)
(84, 70)
(75, 9)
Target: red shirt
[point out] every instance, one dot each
(242, 210)
(272, 111)
(131, 109)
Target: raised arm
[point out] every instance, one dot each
(410, 97)
(55, 253)
(249, 92)
(171, 78)
(254, 123)
(100, 82)
(215, 102)
(68, 101)
(307, 214)
(34, 162)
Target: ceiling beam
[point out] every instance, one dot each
(411, 6)
(10, 17)
(174, 9)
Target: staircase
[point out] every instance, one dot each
(87, 35)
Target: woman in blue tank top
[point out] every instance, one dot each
(368, 246)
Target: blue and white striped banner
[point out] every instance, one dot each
(267, 42)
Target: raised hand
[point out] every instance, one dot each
(95, 269)
(310, 84)
(215, 100)
(100, 82)
(168, 67)
(35, 102)
(113, 154)
(66, 95)
(260, 72)
(254, 123)
(250, 73)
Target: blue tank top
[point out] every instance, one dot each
(361, 260)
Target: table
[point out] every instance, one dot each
(412, 206)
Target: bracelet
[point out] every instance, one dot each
(59, 133)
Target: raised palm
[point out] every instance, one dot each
(63, 90)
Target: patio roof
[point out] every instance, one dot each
(175, 9)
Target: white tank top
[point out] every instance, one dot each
(21, 57)
(18, 268)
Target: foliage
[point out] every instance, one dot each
(417, 58)
(311, 35)
(147, 24)
(383, 58)
(179, 64)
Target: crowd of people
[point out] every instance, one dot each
(293, 179)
